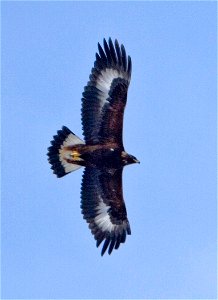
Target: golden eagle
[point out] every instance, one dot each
(102, 153)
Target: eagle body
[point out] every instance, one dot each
(101, 152)
(105, 157)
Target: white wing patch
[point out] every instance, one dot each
(105, 80)
(102, 220)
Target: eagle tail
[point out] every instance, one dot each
(64, 160)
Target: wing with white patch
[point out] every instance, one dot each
(104, 97)
(103, 207)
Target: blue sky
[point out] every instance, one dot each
(48, 50)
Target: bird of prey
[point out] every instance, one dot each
(102, 152)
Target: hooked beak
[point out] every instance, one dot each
(136, 161)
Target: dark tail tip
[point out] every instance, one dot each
(53, 151)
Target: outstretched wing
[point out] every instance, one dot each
(103, 207)
(104, 97)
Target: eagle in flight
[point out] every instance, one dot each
(102, 152)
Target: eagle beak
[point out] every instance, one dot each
(136, 161)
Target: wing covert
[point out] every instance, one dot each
(103, 207)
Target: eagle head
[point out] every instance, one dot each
(128, 159)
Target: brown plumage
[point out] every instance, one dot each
(102, 153)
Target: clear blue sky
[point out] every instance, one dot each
(48, 50)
